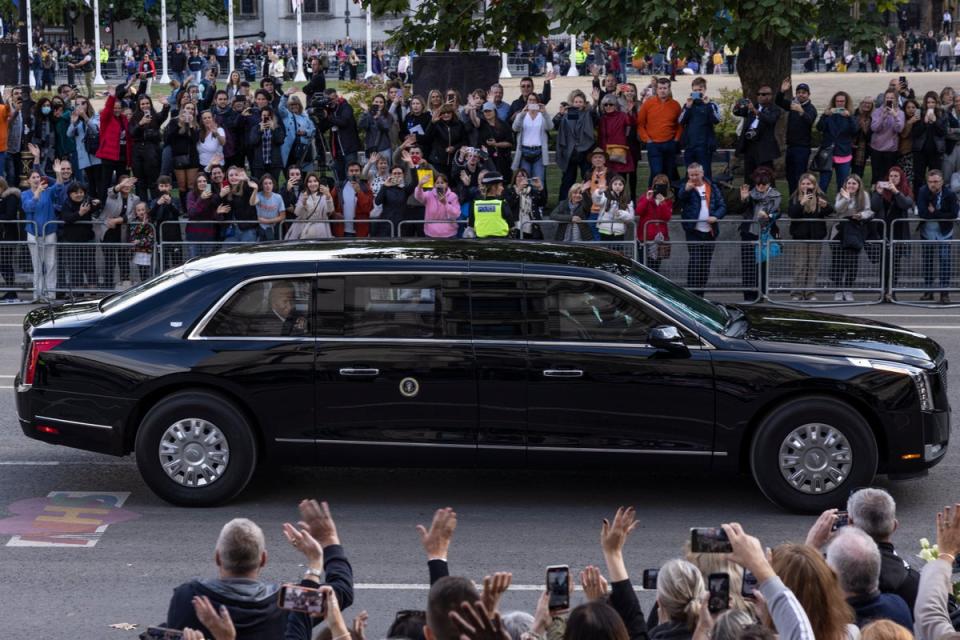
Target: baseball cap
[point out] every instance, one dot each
(489, 106)
(803, 86)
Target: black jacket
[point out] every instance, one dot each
(803, 230)
(922, 131)
(76, 228)
(441, 135)
(182, 144)
(799, 125)
(625, 602)
(254, 144)
(393, 199)
(346, 139)
(253, 604)
(944, 207)
(317, 84)
(9, 213)
(763, 147)
(896, 576)
(166, 219)
(412, 120)
(897, 208)
(521, 102)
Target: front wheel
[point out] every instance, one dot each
(196, 449)
(810, 452)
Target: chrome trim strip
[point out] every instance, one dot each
(505, 446)
(76, 422)
(195, 333)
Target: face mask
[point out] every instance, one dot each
(45, 110)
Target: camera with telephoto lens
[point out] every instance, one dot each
(320, 103)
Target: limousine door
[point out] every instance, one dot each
(596, 388)
(396, 380)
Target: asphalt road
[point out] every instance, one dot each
(519, 521)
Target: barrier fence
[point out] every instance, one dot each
(910, 261)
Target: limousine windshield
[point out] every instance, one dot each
(713, 316)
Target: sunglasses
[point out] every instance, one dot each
(763, 93)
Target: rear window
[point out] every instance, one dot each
(145, 289)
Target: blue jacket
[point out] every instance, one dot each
(291, 124)
(690, 206)
(838, 130)
(698, 122)
(39, 211)
(945, 208)
(880, 606)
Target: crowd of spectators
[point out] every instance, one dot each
(844, 581)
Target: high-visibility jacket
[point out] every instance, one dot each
(580, 56)
(488, 219)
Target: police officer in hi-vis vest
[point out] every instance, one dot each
(490, 216)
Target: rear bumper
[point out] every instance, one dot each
(78, 421)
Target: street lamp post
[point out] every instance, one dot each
(113, 31)
(72, 14)
(346, 16)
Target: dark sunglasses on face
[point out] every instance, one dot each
(763, 93)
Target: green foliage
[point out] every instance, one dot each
(53, 11)
(446, 24)
(726, 130)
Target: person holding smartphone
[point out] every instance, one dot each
(929, 139)
(801, 115)
(837, 128)
(892, 202)
(698, 117)
(532, 127)
(887, 122)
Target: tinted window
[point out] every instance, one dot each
(265, 308)
(406, 306)
(498, 307)
(575, 310)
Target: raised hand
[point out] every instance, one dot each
(948, 531)
(302, 541)
(820, 532)
(360, 625)
(747, 552)
(219, 623)
(493, 589)
(593, 583)
(316, 516)
(614, 535)
(436, 540)
(476, 623)
(34, 150)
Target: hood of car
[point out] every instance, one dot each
(779, 329)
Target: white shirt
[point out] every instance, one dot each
(531, 130)
(349, 206)
(208, 147)
(702, 224)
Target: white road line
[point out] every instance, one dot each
(6, 386)
(8, 375)
(387, 586)
(31, 463)
(11, 325)
(56, 463)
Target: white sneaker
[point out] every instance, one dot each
(848, 296)
(811, 297)
(838, 296)
(796, 297)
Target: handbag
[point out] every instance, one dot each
(530, 154)
(181, 162)
(617, 153)
(852, 235)
(822, 160)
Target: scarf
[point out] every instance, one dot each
(526, 210)
(266, 142)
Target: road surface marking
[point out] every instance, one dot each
(378, 586)
(76, 519)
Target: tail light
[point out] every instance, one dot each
(36, 348)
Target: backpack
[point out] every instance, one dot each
(91, 139)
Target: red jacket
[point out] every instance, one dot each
(361, 212)
(648, 210)
(110, 128)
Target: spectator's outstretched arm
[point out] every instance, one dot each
(613, 535)
(436, 541)
(931, 615)
(338, 573)
(788, 616)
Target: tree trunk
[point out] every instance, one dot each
(153, 34)
(926, 16)
(762, 64)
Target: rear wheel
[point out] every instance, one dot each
(809, 453)
(196, 449)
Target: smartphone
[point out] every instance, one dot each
(749, 584)
(660, 189)
(558, 587)
(208, 188)
(903, 80)
(843, 519)
(293, 597)
(709, 540)
(696, 95)
(161, 633)
(650, 578)
(718, 584)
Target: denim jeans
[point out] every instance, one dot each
(662, 157)
(701, 154)
(842, 171)
(932, 231)
(534, 169)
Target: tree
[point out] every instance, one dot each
(763, 30)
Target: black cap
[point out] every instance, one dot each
(803, 86)
(491, 178)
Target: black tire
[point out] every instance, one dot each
(765, 450)
(235, 438)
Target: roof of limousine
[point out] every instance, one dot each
(502, 251)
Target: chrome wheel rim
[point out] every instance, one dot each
(194, 452)
(815, 458)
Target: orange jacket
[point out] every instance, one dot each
(657, 120)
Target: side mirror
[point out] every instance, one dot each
(668, 338)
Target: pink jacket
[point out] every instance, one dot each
(447, 209)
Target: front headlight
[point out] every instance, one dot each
(920, 377)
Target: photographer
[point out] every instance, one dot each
(376, 123)
(758, 142)
(265, 142)
(801, 114)
(698, 118)
(334, 114)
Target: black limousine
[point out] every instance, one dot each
(455, 353)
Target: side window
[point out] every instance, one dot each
(406, 306)
(579, 310)
(497, 307)
(265, 308)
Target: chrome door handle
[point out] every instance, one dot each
(562, 373)
(360, 373)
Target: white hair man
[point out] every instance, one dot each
(875, 512)
(855, 558)
(241, 555)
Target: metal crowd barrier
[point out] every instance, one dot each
(95, 266)
(16, 260)
(920, 271)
